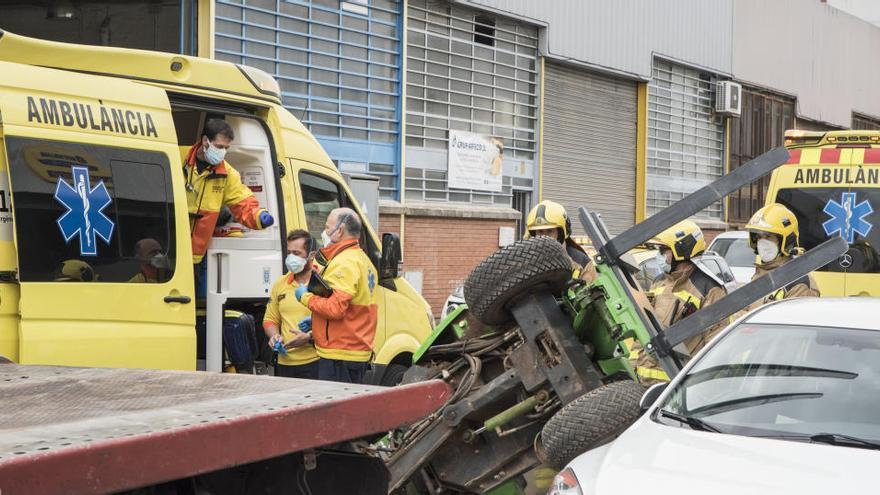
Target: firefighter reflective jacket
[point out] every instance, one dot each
(683, 293)
(677, 296)
(207, 192)
(583, 267)
(803, 287)
(344, 324)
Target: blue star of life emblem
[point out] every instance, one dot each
(371, 280)
(847, 217)
(84, 216)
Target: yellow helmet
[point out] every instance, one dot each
(75, 270)
(775, 219)
(685, 239)
(548, 215)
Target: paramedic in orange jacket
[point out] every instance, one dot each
(344, 323)
(212, 183)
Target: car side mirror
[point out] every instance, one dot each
(389, 267)
(651, 395)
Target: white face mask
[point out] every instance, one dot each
(160, 261)
(664, 265)
(214, 155)
(294, 263)
(767, 250)
(325, 239)
(656, 267)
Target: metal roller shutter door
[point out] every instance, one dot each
(590, 144)
(685, 137)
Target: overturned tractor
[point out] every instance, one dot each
(539, 361)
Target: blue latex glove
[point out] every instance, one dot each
(302, 289)
(305, 325)
(266, 219)
(279, 347)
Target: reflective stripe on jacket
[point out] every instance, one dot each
(677, 296)
(207, 192)
(803, 287)
(683, 293)
(344, 324)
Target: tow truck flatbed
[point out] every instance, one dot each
(90, 430)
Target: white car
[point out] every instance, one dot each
(734, 248)
(784, 401)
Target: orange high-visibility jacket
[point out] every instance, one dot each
(207, 192)
(344, 324)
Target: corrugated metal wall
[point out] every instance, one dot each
(823, 56)
(590, 144)
(623, 35)
(819, 54)
(865, 122)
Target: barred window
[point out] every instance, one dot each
(685, 137)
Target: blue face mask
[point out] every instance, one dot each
(294, 263)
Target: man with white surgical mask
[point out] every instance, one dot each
(211, 184)
(344, 319)
(287, 322)
(155, 267)
(774, 236)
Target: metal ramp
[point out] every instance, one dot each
(88, 430)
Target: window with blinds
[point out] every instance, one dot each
(339, 67)
(685, 137)
(468, 71)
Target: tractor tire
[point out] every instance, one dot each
(591, 420)
(531, 265)
(393, 375)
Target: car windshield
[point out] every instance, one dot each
(735, 251)
(784, 381)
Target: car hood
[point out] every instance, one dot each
(659, 459)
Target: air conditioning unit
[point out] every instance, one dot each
(728, 98)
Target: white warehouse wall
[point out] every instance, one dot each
(823, 56)
(623, 35)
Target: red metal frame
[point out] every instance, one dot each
(143, 460)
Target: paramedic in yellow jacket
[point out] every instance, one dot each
(287, 320)
(343, 323)
(681, 288)
(549, 219)
(212, 183)
(774, 236)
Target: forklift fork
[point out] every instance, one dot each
(645, 327)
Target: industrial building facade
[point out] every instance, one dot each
(604, 104)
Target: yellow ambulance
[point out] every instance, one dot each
(832, 184)
(91, 148)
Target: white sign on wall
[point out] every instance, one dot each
(506, 236)
(474, 161)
